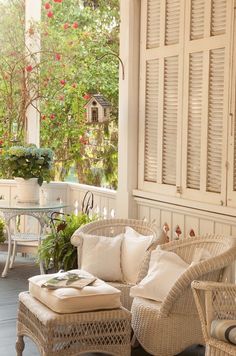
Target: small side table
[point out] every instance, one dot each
(105, 331)
(10, 210)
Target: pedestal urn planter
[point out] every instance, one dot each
(27, 190)
(30, 166)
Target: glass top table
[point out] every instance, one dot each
(40, 212)
(6, 205)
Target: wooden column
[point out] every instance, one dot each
(32, 45)
(128, 108)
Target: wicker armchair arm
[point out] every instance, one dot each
(214, 300)
(196, 272)
(208, 285)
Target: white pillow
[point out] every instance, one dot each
(164, 269)
(101, 257)
(200, 254)
(134, 246)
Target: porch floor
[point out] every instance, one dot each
(10, 287)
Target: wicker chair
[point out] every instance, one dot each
(215, 301)
(113, 227)
(168, 327)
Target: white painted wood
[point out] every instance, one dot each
(205, 32)
(33, 46)
(160, 106)
(128, 108)
(187, 218)
(231, 186)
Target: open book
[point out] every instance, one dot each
(68, 280)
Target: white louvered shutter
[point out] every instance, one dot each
(160, 95)
(206, 60)
(185, 71)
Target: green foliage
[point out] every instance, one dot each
(28, 162)
(2, 232)
(73, 40)
(56, 249)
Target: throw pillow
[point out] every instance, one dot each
(224, 330)
(134, 246)
(164, 269)
(101, 257)
(201, 254)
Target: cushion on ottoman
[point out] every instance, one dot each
(97, 296)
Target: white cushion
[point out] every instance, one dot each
(224, 330)
(200, 254)
(164, 269)
(134, 247)
(101, 257)
(97, 296)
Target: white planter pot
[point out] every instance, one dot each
(27, 190)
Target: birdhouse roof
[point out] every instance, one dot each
(100, 99)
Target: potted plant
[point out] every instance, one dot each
(29, 166)
(56, 250)
(2, 231)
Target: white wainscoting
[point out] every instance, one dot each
(186, 218)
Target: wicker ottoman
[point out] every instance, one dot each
(105, 331)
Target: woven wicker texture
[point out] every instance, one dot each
(72, 334)
(111, 228)
(169, 327)
(215, 301)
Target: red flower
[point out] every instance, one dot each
(57, 57)
(52, 116)
(74, 85)
(63, 82)
(66, 26)
(75, 24)
(29, 68)
(1, 142)
(87, 96)
(43, 117)
(47, 6)
(61, 97)
(57, 1)
(50, 14)
(31, 31)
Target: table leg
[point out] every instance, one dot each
(13, 254)
(4, 273)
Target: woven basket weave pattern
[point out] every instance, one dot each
(215, 301)
(169, 327)
(70, 334)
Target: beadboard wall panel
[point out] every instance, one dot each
(187, 219)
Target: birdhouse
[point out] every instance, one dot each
(98, 109)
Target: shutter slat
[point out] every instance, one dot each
(197, 19)
(153, 23)
(151, 121)
(194, 119)
(170, 114)
(172, 22)
(215, 120)
(218, 17)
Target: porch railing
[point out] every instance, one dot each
(72, 194)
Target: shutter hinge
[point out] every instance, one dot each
(179, 189)
(227, 164)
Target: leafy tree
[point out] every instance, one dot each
(75, 34)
